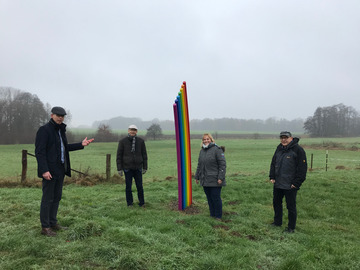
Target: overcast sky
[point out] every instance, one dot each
(242, 59)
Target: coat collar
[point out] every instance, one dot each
(61, 127)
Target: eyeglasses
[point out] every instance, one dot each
(60, 115)
(284, 138)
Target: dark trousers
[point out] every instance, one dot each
(137, 175)
(214, 201)
(52, 191)
(290, 197)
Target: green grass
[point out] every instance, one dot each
(105, 234)
(243, 155)
(87, 131)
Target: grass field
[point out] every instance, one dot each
(105, 234)
(88, 131)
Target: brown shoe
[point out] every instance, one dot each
(48, 232)
(58, 227)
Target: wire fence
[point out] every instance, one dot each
(24, 161)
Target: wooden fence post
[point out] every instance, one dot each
(326, 161)
(108, 166)
(24, 165)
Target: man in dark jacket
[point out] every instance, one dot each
(52, 154)
(132, 159)
(287, 173)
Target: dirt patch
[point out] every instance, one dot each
(180, 221)
(340, 167)
(93, 180)
(13, 184)
(173, 205)
(170, 178)
(229, 213)
(234, 202)
(236, 234)
(315, 169)
(251, 237)
(224, 227)
(226, 220)
(190, 210)
(239, 174)
(81, 181)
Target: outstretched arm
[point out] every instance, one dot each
(86, 142)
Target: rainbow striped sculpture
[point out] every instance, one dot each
(182, 131)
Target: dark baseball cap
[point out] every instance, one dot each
(58, 111)
(285, 133)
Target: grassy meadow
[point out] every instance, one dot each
(105, 234)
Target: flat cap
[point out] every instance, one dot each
(58, 111)
(285, 133)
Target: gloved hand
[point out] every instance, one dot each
(121, 173)
(143, 171)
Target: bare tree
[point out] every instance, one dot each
(104, 134)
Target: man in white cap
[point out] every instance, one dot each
(52, 154)
(132, 160)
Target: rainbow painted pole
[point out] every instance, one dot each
(182, 132)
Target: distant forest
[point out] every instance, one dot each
(22, 113)
(212, 125)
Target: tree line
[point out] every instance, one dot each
(22, 113)
(220, 124)
(105, 134)
(334, 121)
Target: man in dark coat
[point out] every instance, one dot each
(52, 154)
(132, 159)
(287, 173)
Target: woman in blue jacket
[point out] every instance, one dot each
(210, 172)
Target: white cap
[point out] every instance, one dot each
(133, 127)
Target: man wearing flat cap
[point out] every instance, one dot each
(52, 154)
(287, 172)
(131, 159)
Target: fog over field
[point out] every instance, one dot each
(240, 59)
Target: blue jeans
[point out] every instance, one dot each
(214, 201)
(290, 197)
(137, 175)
